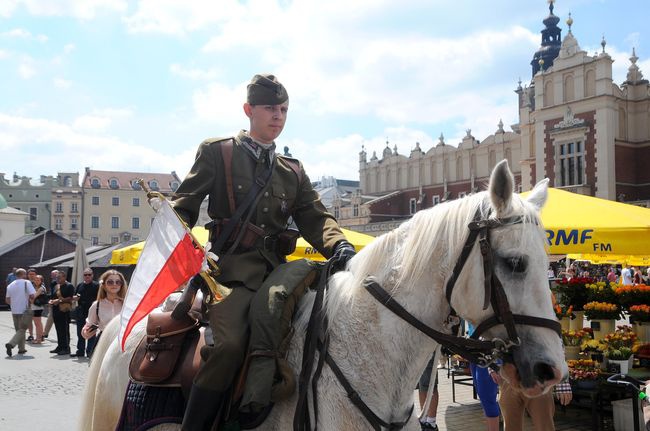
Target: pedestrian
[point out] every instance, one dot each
(20, 294)
(108, 304)
(11, 276)
(428, 420)
(61, 306)
(611, 275)
(85, 294)
(626, 275)
(40, 300)
(48, 308)
(253, 193)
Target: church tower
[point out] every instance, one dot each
(551, 42)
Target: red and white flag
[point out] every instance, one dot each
(168, 259)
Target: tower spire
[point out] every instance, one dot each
(551, 41)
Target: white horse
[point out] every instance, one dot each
(381, 355)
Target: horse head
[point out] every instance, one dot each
(519, 261)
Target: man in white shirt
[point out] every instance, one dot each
(20, 294)
(626, 275)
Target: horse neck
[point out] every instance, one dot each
(384, 356)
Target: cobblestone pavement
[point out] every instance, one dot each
(40, 389)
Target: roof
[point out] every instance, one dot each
(92, 253)
(10, 210)
(126, 180)
(27, 238)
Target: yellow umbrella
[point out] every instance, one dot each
(129, 255)
(587, 225)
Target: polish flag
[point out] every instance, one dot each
(168, 259)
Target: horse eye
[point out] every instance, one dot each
(516, 264)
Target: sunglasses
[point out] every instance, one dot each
(110, 282)
(87, 275)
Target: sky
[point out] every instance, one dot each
(137, 85)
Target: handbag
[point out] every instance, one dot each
(42, 299)
(64, 307)
(26, 317)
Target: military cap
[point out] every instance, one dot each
(265, 89)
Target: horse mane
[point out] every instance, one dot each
(426, 245)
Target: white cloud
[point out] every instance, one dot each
(62, 83)
(220, 104)
(91, 124)
(26, 71)
(68, 48)
(86, 10)
(3, 54)
(24, 34)
(193, 73)
(46, 140)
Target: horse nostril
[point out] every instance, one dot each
(543, 372)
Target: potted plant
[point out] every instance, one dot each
(572, 341)
(640, 316)
(584, 373)
(603, 317)
(601, 291)
(595, 349)
(619, 347)
(564, 314)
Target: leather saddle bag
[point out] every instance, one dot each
(169, 353)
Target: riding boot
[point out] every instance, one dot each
(202, 409)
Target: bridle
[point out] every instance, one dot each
(482, 352)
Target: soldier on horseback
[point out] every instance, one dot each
(253, 194)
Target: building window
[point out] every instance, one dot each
(94, 240)
(58, 223)
(115, 239)
(94, 183)
(58, 207)
(112, 183)
(94, 222)
(94, 200)
(74, 207)
(355, 210)
(571, 157)
(33, 213)
(115, 201)
(153, 185)
(136, 202)
(115, 222)
(413, 206)
(126, 236)
(435, 200)
(135, 223)
(135, 185)
(174, 185)
(337, 212)
(135, 238)
(74, 223)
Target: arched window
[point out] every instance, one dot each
(548, 94)
(113, 183)
(94, 183)
(492, 160)
(459, 168)
(153, 185)
(568, 89)
(590, 83)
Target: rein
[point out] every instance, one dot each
(481, 352)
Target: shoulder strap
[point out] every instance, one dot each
(226, 153)
(97, 311)
(295, 167)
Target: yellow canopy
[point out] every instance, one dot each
(613, 259)
(587, 225)
(129, 255)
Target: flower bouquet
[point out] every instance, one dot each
(584, 372)
(601, 291)
(624, 336)
(629, 295)
(595, 349)
(601, 310)
(574, 338)
(640, 313)
(573, 291)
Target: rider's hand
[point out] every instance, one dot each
(343, 252)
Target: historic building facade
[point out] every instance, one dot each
(35, 199)
(67, 202)
(576, 127)
(115, 207)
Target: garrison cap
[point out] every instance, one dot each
(265, 89)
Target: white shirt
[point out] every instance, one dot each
(626, 276)
(18, 291)
(107, 310)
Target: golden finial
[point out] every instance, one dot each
(569, 22)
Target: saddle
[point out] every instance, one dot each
(169, 353)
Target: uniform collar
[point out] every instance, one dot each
(255, 148)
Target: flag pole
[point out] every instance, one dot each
(218, 291)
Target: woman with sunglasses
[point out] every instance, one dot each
(112, 289)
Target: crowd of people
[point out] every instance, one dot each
(91, 305)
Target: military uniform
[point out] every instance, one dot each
(287, 194)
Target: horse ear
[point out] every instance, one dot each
(501, 186)
(539, 194)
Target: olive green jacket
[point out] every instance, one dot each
(287, 196)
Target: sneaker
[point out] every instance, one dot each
(9, 347)
(427, 426)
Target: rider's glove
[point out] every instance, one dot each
(343, 252)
